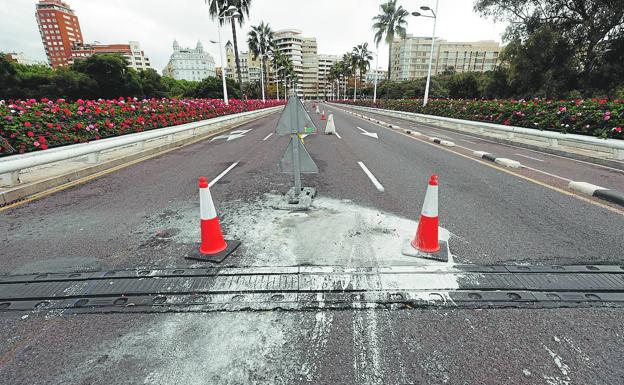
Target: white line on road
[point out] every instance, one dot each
(338, 135)
(267, 137)
(215, 180)
(371, 177)
(530, 157)
(467, 141)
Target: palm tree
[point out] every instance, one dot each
(334, 74)
(260, 42)
(362, 57)
(346, 66)
(282, 64)
(391, 21)
(216, 7)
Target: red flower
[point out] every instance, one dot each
(27, 124)
(30, 134)
(44, 146)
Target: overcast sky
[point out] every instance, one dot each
(338, 25)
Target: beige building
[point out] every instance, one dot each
(410, 56)
(250, 65)
(310, 67)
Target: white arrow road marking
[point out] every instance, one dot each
(215, 180)
(232, 135)
(371, 177)
(302, 136)
(267, 137)
(371, 134)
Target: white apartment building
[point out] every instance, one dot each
(410, 56)
(190, 64)
(290, 43)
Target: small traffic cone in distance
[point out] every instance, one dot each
(426, 239)
(213, 247)
(318, 111)
(323, 115)
(330, 128)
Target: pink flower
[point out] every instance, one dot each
(617, 129)
(36, 144)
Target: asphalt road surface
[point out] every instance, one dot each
(146, 215)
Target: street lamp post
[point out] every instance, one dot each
(262, 73)
(376, 74)
(435, 20)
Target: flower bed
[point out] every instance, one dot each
(598, 117)
(31, 125)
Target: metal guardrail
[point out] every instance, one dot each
(553, 139)
(11, 166)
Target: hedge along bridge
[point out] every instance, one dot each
(313, 287)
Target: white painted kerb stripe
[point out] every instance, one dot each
(215, 180)
(206, 207)
(371, 177)
(430, 207)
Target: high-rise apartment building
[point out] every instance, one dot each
(290, 43)
(410, 56)
(63, 41)
(59, 29)
(190, 64)
(309, 67)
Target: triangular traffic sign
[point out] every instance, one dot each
(295, 119)
(306, 163)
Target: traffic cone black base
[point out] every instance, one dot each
(442, 255)
(216, 257)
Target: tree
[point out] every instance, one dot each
(361, 62)
(152, 84)
(212, 87)
(216, 9)
(335, 71)
(260, 42)
(543, 65)
(112, 75)
(390, 22)
(585, 25)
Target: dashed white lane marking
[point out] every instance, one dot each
(338, 135)
(215, 180)
(467, 141)
(371, 177)
(530, 157)
(267, 137)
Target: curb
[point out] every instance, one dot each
(442, 142)
(598, 192)
(502, 161)
(17, 193)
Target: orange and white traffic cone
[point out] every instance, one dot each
(323, 115)
(426, 239)
(213, 247)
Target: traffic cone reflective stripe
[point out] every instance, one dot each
(426, 238)
(212, 241)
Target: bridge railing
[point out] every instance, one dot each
(614, 147)
(11, 166)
